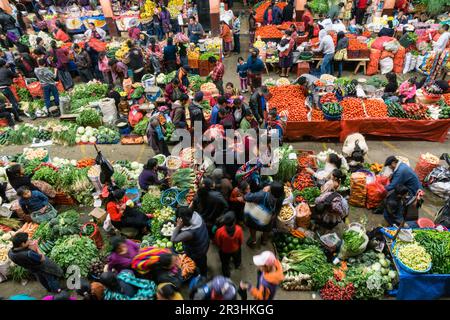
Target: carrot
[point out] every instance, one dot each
(85, 162)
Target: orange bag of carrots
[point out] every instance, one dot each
(399, 59)
(372, 68)
(375, 193)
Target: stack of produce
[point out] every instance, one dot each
(148, 9)
(353, 108)
(302, 180)
(395, 110)
(413, 256)
(263, 7)
(332, 109)
(89, 117)
(85, 93)
(107, 135)
(183, 179)
(46, 174)
(437, 244)
(310, 194)
(427, 162)
(290, 99)
(269, 32)
(376, 108)
(416, 111)
(287, 165)
(445, 110)
(75, 250)
(358, 190)
(141, 127)
(164, 79)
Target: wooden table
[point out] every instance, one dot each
(362, 62)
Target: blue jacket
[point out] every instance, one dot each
(215, 115)
(277, 15)
(255, 65)
(37, 201)
(405, 175)
(242, 70)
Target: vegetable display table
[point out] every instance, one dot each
(429, 130)
(362, 62)
(420, 286)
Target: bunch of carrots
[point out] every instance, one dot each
(268, 32)
(186, 264)
(446, 97)
(306, 161)
(353, 109)
(302, 181)
(85, 162)
(289, 98)
(376, 108)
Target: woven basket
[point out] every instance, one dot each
(63, 199)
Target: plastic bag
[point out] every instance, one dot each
(424, 168)
(286, 225)
(376, 192)
(107, 224)
(344, 251)
(35, 89)
(45, 188)
(391, 46)
(386, 65)
(303, 215)
(408, 63)
(358, 190)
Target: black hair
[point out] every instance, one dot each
(273, 112)
(243, 185)
(240, 59)
(340, 35)
(84, 289)
(237, 101)
(390, 24)
(185, 213)
(2, 63)
(206, 186)
(192, 17)
(109, 280)
(169, 41)
(390, 160)
(165, 260)
(175, 81)
(115, 195)
(19, 238)
(229, 84)
(112, 62)
(338, 175)
(288, 32)
(198, 96)
(401, 190)
(301, 80)
(223, 111)
(221, 100)
(116, 242)
(445, 27)
(212, 60)
(38, 39)
(151, 164)
(184, 97)
(277, 191)
(168, 290)
(391, 77)
(21, 191)
(334, 159)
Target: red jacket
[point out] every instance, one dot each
(229, 244)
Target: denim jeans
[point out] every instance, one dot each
(159, 32)
(12, 99)
(340, 67)
(50, 89)
(325, 68)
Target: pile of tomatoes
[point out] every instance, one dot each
(353, 109)
(291, 99)
(376, 108)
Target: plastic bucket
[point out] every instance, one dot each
(96, 236)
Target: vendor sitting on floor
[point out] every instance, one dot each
(395, 205)
(407, 91)
(122, 212)
(149, 176)
(35, 203)
(323, 175)
(337, 178)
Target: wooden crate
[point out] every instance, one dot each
(353, 54)
(302, 68)
(364, 53)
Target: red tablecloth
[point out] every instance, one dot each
(430, 130)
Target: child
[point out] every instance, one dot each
(407, 91)
(242, 72)
(156, 137)
(229, 239)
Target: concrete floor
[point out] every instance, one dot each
(379, 150)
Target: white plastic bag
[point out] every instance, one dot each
(407, 63)
(412, 66)
(344, 252)
(107, 225)
(419, 61)
(386, 65)
(391, 46)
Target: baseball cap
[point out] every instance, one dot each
(266, 258)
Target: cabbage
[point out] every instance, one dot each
(135, 165)
(384, 263)
(77, 140)
(376, 266)
(392, 274)
(84, 138)
(80, 130)
(92, 139)
(384, 271)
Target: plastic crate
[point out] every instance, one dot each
(302, 68)
(364, 53)
(203, 64)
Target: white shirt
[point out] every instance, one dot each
(326, 45)
(100, 31)
(442, 42)
(339, 27)
(180, 20)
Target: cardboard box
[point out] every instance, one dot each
(98, 214)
